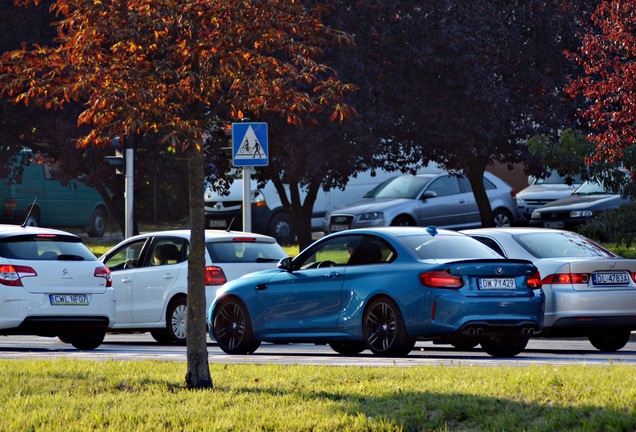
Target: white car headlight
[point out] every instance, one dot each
(372, 216)
(581, 213)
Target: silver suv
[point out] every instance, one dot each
(441, 199)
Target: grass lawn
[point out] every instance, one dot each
(63, 395)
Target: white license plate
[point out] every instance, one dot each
(68, 299)
(217, 223)
(497, 284)
(336, 228)
(553, 224)
(610, 279)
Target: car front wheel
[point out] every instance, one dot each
(232, 328)
(348, 348)
(384, 330)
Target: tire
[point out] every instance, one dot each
(232, 328)
(402, 221)
(32, 219)
(504, 346)
(502, 218)
(161, 336)
(64, 338)
(384, 331)
(97, 228)
(611, 340)
(176, 319)
(280, 228)
(348, 348)
(87, 340)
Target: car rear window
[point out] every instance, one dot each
(244, 251)
(448, 247)
(555, 245)
(44, 247)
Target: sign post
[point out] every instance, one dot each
(249, 148)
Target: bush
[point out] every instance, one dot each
(614, 225)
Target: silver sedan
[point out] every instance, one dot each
(589, 291)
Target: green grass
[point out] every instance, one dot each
(65, 395)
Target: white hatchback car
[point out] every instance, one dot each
(52, 285)
(150, 276)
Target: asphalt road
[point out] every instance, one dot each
(142, 346)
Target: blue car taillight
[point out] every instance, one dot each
(441, 279)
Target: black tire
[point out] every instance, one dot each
(502, 218)
(384, 331)
(402, 221)
(87, 340)
(64, 338)
(504, 346)
(232, 328)
(280, 228)
(611, 340)
(161, 336)
(97, 228)
(348, 348)
(176, 321)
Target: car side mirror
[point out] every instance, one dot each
(285, 264)
(428, 194)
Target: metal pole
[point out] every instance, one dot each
(128, 188)
(247, 198)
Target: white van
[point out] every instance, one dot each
(268, 215)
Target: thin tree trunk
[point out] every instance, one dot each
(198, 375)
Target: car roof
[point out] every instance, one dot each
(210, 235)
(7, 230)
(400, 231)
(509, 230)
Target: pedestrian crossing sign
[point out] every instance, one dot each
(249, 144)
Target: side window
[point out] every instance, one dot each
(372, 250)
(128, 256)
(445, 186)
(165, 252)
(491, 244)
(333, 252)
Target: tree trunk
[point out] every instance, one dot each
(198, 375)
(476, 178)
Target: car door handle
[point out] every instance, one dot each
(126, 280)
(168, 276)
(333, 274)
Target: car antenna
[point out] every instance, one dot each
(229, 227)
(29, 212)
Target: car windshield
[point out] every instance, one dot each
(399, 187)
(591, 188)
(448, 247)
(554, 178)
(555, 244)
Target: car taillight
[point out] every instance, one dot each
(513, 194)
(12, 275)
(535, 281)
(104, 272)
(441, 279)
(566, 278)
(214, 276)
(10, 203)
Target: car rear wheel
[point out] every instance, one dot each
(87, 340)
(348, 348)
(97, 227)
(384, 330)
(502, 218)
(232, 328)
(161, 336)
(504, 346)
(176, 321)
(610, 340)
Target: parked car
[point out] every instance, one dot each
(587, 201)
(542, 191)
(52, 285)
(268, 215)
(440, 199)
(150, 276)
(590, 291)
(42, 199)
(382, 289)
